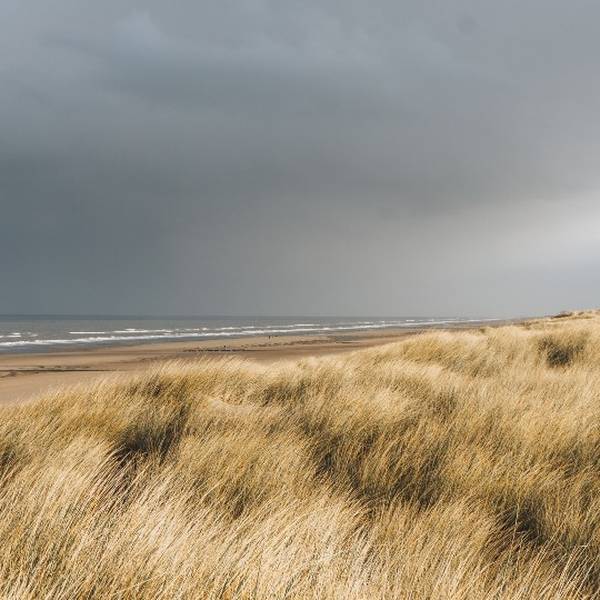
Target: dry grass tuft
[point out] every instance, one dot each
(461, 465)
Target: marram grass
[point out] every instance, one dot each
(450, 465)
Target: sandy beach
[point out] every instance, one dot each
(24, 376)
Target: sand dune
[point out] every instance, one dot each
(453, 464)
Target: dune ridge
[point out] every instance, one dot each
(451, 464)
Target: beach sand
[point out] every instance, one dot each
(25, 376)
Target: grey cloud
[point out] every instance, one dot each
(298, 157)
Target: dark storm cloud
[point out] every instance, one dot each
(299, 157)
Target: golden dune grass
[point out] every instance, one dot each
(448, 465)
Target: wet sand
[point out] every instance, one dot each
(25, 376)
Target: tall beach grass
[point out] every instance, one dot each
(450, 465)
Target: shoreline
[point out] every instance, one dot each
(26, 375)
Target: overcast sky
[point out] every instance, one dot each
(299, 157)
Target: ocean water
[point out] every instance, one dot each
(47, 333)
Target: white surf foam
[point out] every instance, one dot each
(131, 334)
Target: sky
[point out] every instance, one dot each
(294, 157)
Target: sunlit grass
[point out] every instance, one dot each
(448, 465)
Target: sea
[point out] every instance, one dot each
(38, 333)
